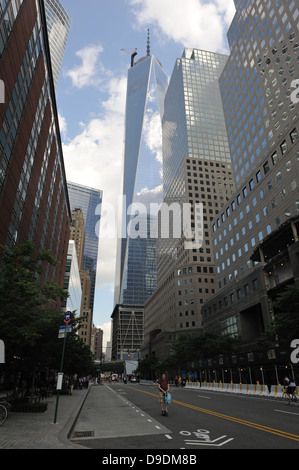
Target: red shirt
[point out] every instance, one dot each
(163, 384)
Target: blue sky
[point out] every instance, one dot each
(92, 87)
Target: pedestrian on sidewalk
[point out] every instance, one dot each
(71, 384)
(163, 387)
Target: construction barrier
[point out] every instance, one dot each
(247, 389)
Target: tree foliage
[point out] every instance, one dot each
(29, 317)
(285, 325)
(188, 348)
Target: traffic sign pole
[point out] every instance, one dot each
(67, 319)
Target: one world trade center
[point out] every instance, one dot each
(136, 272)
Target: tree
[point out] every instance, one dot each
(285, 325)
(26, 308)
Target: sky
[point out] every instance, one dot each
(91, 92)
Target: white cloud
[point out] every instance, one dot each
(106, 327)
(94, 158)
(193, 23)
(62, 125)
(153, 134)
(87, 72)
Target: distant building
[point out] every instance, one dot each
(77, 233)
(97, 343)
(127, 332)
(88, 200)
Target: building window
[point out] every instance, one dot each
(284, 147)
(266, 168)
(294, 135)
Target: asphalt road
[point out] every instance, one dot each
(128, 417)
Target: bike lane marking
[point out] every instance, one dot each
(243, 422)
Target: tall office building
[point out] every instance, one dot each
(196, 169)
(256, 234)
(34, 201)
(88, 200)
(136, 271)
(142, 177)
(58, 26)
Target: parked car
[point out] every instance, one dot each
(133, 379)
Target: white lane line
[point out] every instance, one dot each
(201, 396)
(168, 437)
(287, 412)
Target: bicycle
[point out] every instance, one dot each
(289, 398)
(5, 405)
(3, 414)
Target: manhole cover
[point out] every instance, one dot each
(79, 434)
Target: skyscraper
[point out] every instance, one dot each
(34, 201)
(196, 169)
(142, 177)
(255, 236)
(136, 266)
(58, 26)
(88, 200)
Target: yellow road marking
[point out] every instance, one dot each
(277, 432)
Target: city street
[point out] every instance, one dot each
(119, 416)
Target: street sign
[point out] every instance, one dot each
(67, 317)
(61, 331)
(59, 381)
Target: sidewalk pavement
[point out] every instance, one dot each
(38, 431)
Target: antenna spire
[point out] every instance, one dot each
(148, 50)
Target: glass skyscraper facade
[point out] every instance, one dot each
(196, 170)
(58, 25)
(88, 199)
(194, 129)
(262, 124)
(142, 179)
(255, 236)
(256, 83)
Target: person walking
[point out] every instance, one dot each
(163, 387)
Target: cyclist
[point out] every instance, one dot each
(290, 386)
(163, 386)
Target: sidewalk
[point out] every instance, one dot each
(38, 431)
